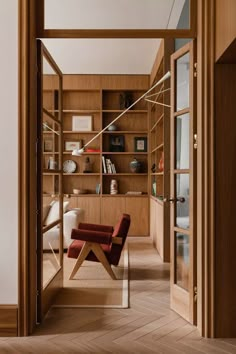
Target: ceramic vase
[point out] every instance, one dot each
(135, 166)
(114, 187)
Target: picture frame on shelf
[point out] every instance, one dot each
(82, 123)
(140, 144)
(116, 143)
(48, 145)
(72, 145)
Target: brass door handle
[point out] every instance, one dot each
(174, 200)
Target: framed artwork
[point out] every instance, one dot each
(48, 145)
(72, 145)
(82, 123)
(140, 144)
(116, 143)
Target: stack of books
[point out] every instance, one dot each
(108, 166)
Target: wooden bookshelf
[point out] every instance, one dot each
(99, 96)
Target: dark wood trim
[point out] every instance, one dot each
(40, 18)
(23, 178)
(193, 17)
(27, 171)
(205, 167)
(79, 33)
(8, 320)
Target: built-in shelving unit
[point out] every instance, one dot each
(102, 98)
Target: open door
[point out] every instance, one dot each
(182, 176)
(49, 181)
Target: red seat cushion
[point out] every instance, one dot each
(76, 246)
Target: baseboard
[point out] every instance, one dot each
(8, 321)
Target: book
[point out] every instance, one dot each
(113, 168)
(108, 165)
(104, 164)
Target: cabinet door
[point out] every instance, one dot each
(138, 209)
(91, 206)
(111, 210)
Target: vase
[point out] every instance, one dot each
(112, 128)
(114, 187)
(135, 166)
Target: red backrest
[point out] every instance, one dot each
(120, 230)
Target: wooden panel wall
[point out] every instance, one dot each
(225, 191)
(156, 226)
(225, 25)
(8, 320)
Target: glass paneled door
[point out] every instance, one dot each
(49, 181)
(183, 156)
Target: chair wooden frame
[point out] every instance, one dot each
(98, 251)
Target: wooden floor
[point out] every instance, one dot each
(148, 326)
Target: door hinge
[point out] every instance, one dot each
(195, 294)
(195, 146)
(195, 70)
(37, 293)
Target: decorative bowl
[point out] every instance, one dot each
(80, 191)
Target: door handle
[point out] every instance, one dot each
(174, 200)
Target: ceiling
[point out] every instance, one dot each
(108, 56)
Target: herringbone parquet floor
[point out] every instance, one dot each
(148, 326)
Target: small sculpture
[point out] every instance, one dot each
(153, 168)
(87, 166)
(114, 187)
(126, 100)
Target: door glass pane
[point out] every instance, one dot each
(182, 208)
(50, 145)
(182, 260)
(51, 254)
(113, 14)
(182, 82)
(182, 142)
(51, 164)
(50, 89)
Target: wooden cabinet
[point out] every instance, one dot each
(111, 209)
(159, 139)
(139, 211)
(101, 99)
(136, 207)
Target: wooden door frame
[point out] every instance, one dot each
(30, 24)
(177, 293)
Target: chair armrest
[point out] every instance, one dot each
(95, 227)
(92, 236)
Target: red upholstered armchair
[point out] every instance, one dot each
(99, 243)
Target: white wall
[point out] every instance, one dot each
(8, 152)
(113, 14)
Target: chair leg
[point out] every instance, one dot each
(81, 257)
(98, 251)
